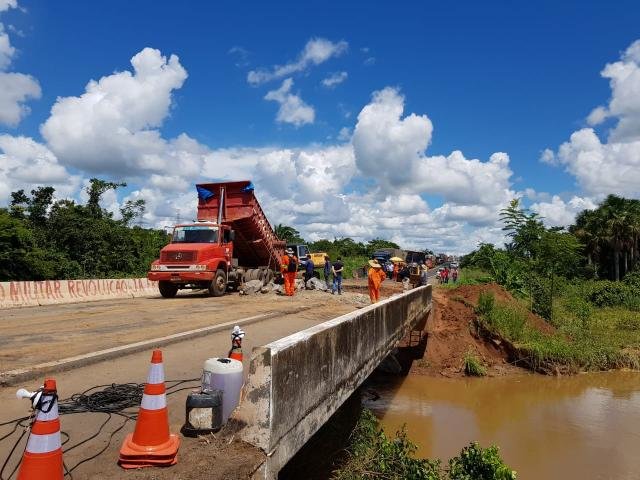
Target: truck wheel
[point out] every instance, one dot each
(218, 284)
(167, 289)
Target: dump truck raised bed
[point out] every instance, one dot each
(231, 242)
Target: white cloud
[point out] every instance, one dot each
(549, 157)
(315, 52)
(7, 51)
(613, 166)
(597, 116)
(558, 213)
(26, 164)
(7, 4)
(391, 149)
(335, 79)
(600, 168)
(624, 105)
(292, 108)
(344, 134)
(324, 171)
(112, 127)
(386, 145)
(241, 55)
(15, 89)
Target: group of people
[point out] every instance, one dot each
(332, 272)
(445, 274)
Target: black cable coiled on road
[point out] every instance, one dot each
(113, 399)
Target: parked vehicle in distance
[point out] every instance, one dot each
(301, 252)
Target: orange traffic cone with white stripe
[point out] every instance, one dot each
(151, 443)
(42, 457)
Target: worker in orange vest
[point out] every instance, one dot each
(376, 277)
(289, 268)
(396, 269)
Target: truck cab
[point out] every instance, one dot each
(198, 257)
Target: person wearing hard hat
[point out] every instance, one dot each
(289, 268)
(376, 277)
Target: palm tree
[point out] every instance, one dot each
(589, 230)
(286, 233)
(634, 230)
(617, 224)
(611, 233)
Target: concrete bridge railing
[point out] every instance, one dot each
(296, 383)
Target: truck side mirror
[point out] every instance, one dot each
(232, 235)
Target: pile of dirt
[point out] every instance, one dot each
(451, 334)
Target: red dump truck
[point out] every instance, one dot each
(231, 242)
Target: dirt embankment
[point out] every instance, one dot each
(451, 334)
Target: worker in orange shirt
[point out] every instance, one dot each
(396, 269)
(376, 277)
(289, 268)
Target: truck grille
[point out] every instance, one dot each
(178, 256)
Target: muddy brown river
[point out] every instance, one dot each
(581, 427)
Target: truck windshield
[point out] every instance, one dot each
(195, 234)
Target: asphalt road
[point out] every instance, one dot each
(33, 335)
(56, 332)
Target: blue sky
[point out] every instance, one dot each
(488, 76)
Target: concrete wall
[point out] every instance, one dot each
(51, 292)
(296, 383)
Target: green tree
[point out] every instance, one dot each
(95, 190)
(38, 206)
(132, 209)
(19, 204)
(288, 234)
(378, 243)
(525, 229)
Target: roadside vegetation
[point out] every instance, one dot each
(472, 366)
(585, 281)
(372, 455)
(45, 239)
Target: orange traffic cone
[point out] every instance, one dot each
(43, 456)
(151, 443)
(236, 343)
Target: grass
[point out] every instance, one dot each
(351, 264)
(468, 276)
(586, 338)
(472, 366)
